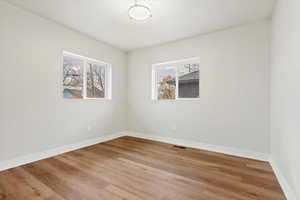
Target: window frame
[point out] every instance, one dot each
(172, 64)
(108, 75)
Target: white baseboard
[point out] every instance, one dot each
(203, 146)
(287, 189)
(18, 161)
(22, 160)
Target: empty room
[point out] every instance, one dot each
(149, 100)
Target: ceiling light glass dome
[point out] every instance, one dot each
(139, 12)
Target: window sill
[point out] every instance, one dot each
(101, 99)
(97, 99)
(174, 100)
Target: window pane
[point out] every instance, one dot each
(95, 81)
(166, 83)
(188, 80)
(72, 77)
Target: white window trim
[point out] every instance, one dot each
(108, 74)
(171, 64)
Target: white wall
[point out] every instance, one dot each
(33, 115)
(234, 107)
(285, 92)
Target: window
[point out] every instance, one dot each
(85, 78)
(176, 80)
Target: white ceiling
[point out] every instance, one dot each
(107, 20)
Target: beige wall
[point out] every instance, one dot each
(233, 109)
(285, 93)
(33, 115)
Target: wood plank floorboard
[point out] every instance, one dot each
(138, 169)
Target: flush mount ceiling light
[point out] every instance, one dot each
(139, 12)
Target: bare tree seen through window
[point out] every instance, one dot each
(85, 78)
(72, 77)
(95, 81)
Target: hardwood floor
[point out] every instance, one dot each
(135, 169)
